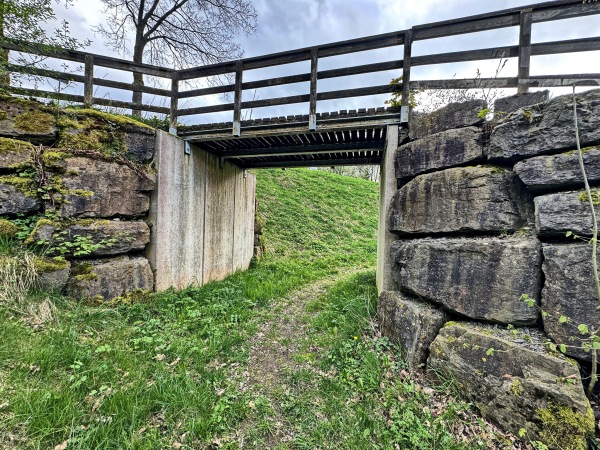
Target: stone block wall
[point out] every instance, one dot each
(481, 214)
(115, 206)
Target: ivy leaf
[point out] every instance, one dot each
(563, 348)
(569, 234)
(490, 352)
(563, 319)
(583, 328)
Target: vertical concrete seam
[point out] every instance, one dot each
(205, 156)
(235, 186)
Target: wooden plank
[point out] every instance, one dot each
(79, 56)
(296, 55)
(312, 108)
(88, 88)
(173, 105)
(300, 150)
(579, 9)
(525, 22)
(307, 162)
(237, 100)
(465, 56)
(406, 77)
(466, 83)
(569, 46)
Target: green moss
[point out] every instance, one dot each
(516, 388)
(130, 298)
(528, 115)
(35, 121)
(51, 157)
(80, 193)
(565, 429)
(8, 229)
(14, 145)
(43, 264)
(84, 272)
(112, 118)
(583, 197)
(3, 115)
(24, 184)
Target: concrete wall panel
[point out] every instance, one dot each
(193, 217)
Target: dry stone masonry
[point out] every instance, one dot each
(481, 215)
(86, 200)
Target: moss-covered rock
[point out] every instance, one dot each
(103, 189)
(89, 129)
(52, 274)
(8, 229)
(18, 195)
(515, 383)
(27, 120)
(15, 154)
(82, 238)
(109, 278)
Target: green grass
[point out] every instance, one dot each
(164, 372)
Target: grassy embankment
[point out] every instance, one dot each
(178, 369)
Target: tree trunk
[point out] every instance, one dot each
(138, 78)
(4, 74)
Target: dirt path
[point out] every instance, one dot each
(273, 353)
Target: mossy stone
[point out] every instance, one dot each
(8, 229)
(35, 121)
(562, 428)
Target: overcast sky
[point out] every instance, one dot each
(288, 24)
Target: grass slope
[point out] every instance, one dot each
(167, 370)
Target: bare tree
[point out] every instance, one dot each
(178, 33)
(23, 21)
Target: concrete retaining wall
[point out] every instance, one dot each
(201, 216)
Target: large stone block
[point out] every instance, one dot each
(438, 151)
(509, 104)
(544, 173)
(16, 196)
(409, 323)
(52, 275)
(27, 120)
(103, 189)
(92, 238)
(105, 279)
(569, 291)
(14, 153)
(515, 383)
(546, 128)
(140, 142)
(480, 278)
(454, 115)
(555, 214)
(465, 200)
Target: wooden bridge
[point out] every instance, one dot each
(321, 138)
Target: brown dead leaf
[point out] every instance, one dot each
(62, 446)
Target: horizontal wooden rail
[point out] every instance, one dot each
(522, 17)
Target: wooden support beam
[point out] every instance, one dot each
(312, 109)
(173, 104)
(358, 161)
(88, 86)
(237, 100)
(525, 22)
(406, 61)
(314, 149)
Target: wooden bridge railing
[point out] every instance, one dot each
(523, 17)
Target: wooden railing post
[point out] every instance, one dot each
(524, 50)
(312, 109)
(88, 84)
(405, 108)
(237, 99)
(174, 103)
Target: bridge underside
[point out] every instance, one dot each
(341, 138)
